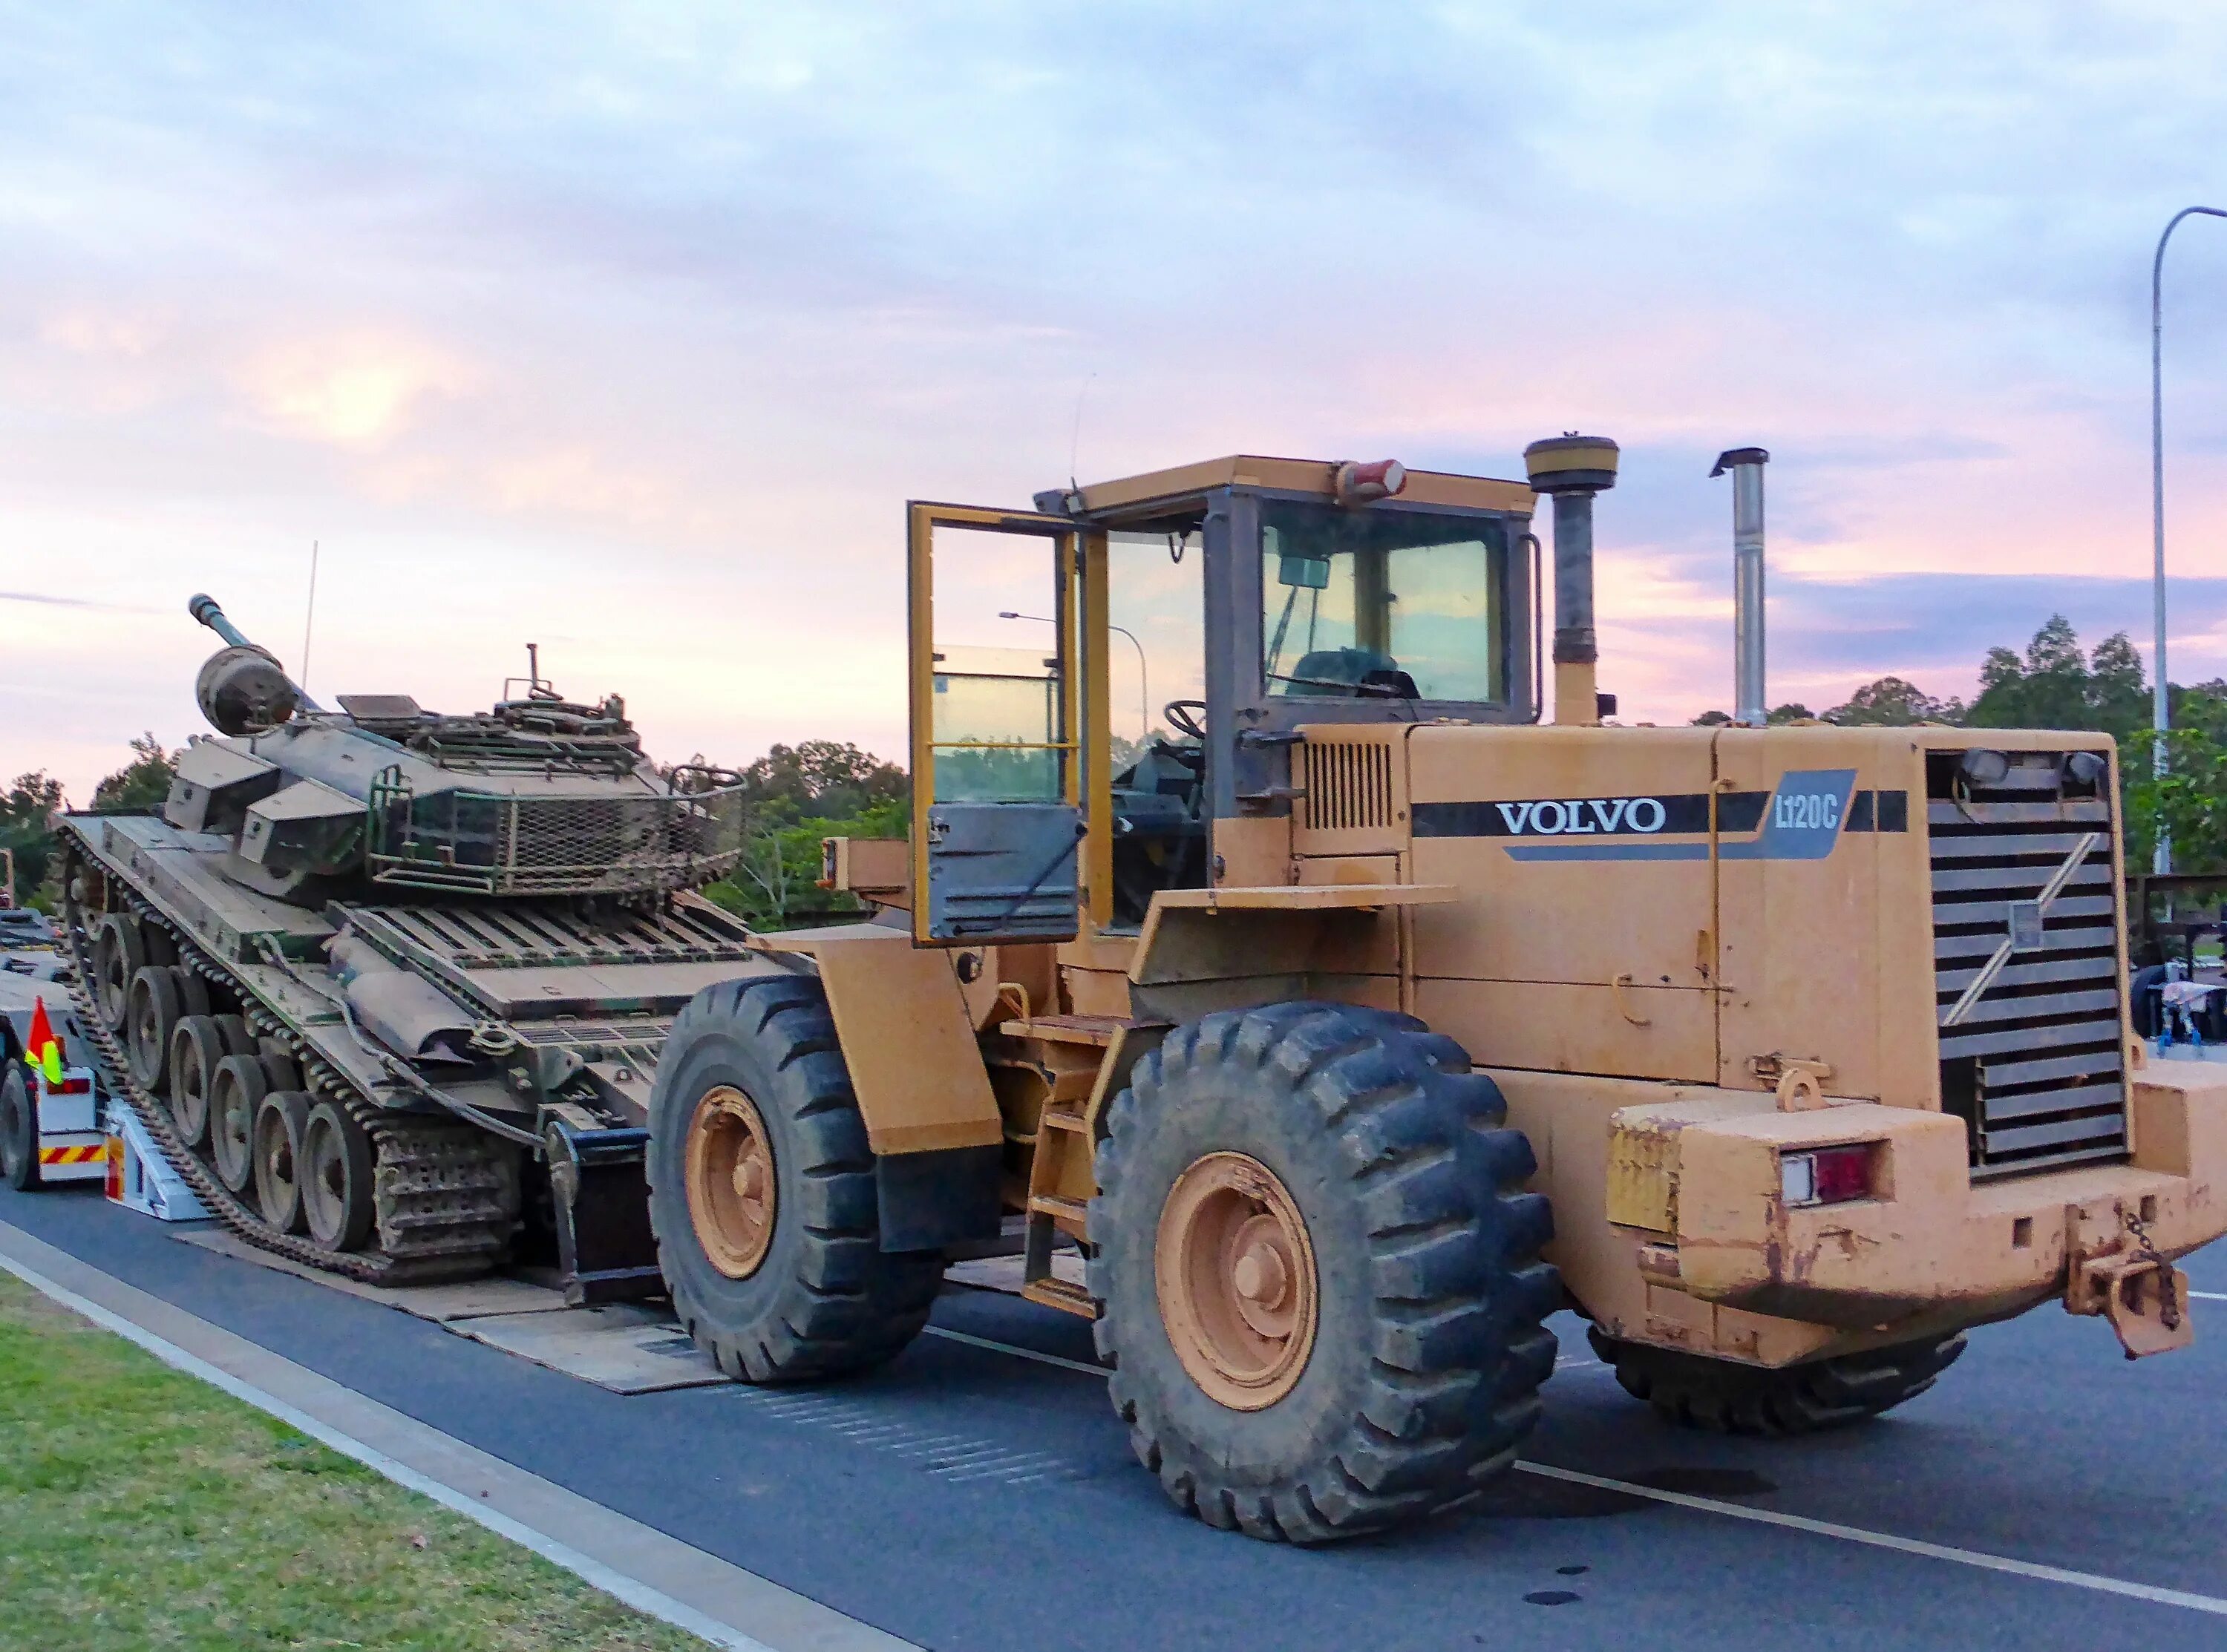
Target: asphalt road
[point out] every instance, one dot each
(967, 1497)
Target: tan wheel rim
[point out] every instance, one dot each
(731, 1196)
(1236, 1272)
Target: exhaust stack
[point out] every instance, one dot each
(1572, 468)
(1750, 706)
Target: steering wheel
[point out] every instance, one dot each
(1180, 715)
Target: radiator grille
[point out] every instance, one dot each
(2035, 1062)
(1349, 786)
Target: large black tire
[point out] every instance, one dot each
(19, 1128)
(823, 1298)
(2143, 1002)
(1423, 1374)
(1726, 1398)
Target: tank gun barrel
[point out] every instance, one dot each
(203, 607)
(242, 688)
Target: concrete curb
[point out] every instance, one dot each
(654, 1573)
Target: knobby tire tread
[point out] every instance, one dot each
(1436, 1422)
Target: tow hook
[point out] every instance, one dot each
(2116, 1270)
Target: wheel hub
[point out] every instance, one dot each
(732, 1196)
(1235, 1271)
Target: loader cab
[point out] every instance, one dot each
(1097, 683)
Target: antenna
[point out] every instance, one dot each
(532, 667)
(1074, 445)
(308, 618)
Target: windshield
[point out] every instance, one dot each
(1382, 603)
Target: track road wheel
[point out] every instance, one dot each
(280, 1122)
(335, 1179)
(237, 1087)
(154, 1017)
(119, 953)
(19, 1129)
(239, 1038)
(192, 992)
(280, 1070)
(1726, 1398)
(1320, 1276)
(196, 1046)
(762, 1192)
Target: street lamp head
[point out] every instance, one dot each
(1007, 614)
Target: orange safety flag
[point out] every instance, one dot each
(43, 1051)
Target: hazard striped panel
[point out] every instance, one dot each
(73, 1155)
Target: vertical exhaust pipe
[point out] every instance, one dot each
(1571, 468)
(1750, 706)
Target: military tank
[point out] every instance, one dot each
(387, 985)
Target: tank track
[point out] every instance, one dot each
(446, 1193)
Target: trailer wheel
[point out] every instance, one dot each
(1726, 1398)
(335, 1175)
(19, 1130)
(762, 1192)
(196, 1046)
(279, 1122)
(154, 1017)
(236, 1090)
(119, 953)
(1319, 1275)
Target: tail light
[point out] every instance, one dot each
(1826, 1175)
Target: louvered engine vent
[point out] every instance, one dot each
(1349, 786)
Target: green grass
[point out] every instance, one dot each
(141, 1509)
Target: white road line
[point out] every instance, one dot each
(2096, 1581)
(976, 1456)
(634, 1593)
(2211, 1603)
(2210, 1296)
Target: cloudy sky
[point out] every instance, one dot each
(627, 329)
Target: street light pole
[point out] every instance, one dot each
(1144, 686)
(2161, 711)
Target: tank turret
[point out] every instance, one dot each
(382, 981)
(539, 796)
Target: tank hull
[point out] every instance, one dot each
(495, 1054)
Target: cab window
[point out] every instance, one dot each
(1382, 603)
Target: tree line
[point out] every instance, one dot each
(793, 796)
(2057, 685)
(796, 795)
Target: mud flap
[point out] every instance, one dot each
(604, 1246)
(2112, 1269)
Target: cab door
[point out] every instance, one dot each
(997, 826)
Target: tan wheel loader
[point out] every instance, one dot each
(1327, 1024)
